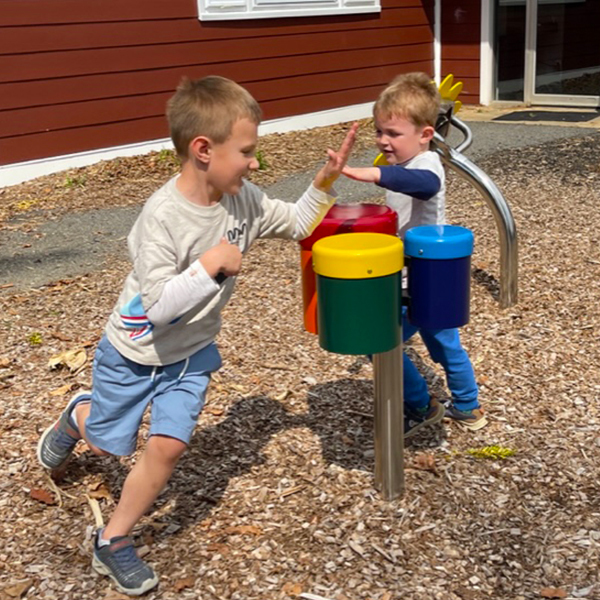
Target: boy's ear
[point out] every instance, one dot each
(200, 148)
(427, 133)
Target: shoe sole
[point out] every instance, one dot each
(435, 419)
(47, 431)
(474, 426)
(102, 569)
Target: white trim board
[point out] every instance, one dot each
(16, 173)
(486, 53)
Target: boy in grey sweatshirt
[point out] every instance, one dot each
(186, 249)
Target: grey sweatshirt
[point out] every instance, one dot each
(166, 242)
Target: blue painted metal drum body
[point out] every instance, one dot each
(439, 275)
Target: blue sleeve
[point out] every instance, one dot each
(418, 183)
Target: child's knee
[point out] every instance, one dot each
(166, 448)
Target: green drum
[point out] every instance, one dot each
(359, 292)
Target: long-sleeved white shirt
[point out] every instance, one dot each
(170, 307)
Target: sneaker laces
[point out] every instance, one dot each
(127, 557)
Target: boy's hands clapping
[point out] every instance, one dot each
(336, 162)
(223, 258)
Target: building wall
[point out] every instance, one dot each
(78, 76)
(461, 37)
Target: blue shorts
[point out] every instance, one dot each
(122, 390)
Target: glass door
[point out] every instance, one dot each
(562, 64)
(558, 44)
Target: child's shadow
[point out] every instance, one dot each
(224, 451)
(340, 414)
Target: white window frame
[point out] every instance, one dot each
(221, 10)
(522, 2)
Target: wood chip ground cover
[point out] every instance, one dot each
(275, 497)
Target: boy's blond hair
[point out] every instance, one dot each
(209, 107)
(411, 96)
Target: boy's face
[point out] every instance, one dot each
(400, 140)
(234, 158)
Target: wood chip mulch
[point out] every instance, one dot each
(275, 497)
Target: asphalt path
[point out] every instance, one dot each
(85, 242)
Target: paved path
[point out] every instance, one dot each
(82, 242)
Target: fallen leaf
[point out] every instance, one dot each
(101, 491)
(73, 359)
(4, 363)
(43, 496)
(17, 590)
(61, 336)
(551, 592)
(213, 410)
(425, 462)
(218, 548)
(62, 390)
(292, 589)
(183, 584)
(243, 529)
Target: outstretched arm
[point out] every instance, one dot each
(364, 174)
(332, 169)
(418, 183)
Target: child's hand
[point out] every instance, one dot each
(366, 174)
(337, 160)
(224, 258)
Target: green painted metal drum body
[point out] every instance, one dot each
(359, 316)
(358, 292)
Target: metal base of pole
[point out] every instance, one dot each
(389, 423)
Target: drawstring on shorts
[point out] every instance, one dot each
(185, 368)
(186, 364)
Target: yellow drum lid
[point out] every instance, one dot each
(358, 255)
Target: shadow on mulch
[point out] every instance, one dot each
(339, 414)
(487, 281)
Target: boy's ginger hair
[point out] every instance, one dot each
(209, 107)
(411, 96)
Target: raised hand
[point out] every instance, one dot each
(332, 169)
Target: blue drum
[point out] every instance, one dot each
(439, 275)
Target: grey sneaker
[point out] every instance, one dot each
(415, 420)
(120, 562)
(58, 441)
(469, 419)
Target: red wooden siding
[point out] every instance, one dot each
(78, 76)
(461, 36)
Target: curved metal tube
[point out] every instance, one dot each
(465, 130)
(509, 262)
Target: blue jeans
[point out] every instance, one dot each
(444, 348)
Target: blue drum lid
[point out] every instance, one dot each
(441, 242)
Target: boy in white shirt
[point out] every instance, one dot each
(405, 115)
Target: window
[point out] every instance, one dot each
(213, 10)
(523, 2)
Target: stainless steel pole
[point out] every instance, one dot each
(507, 231)
(389, 423)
